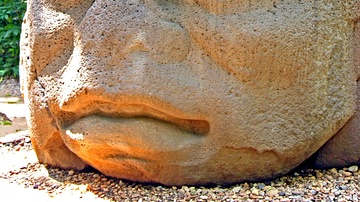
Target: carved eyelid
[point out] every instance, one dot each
(221, 7)
(65, 5)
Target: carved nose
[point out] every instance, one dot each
(118, 32)
(122, 48)
(166, 42)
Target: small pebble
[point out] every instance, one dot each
(204, 197)
(261, 185)
(329, 177)
(347, 174)
(353, 169)
(236, 189)
(27, 140)
(296, 192)
(333, 171)
(343, 187)
(313, 192)
(272, 192)
(295, 197)
(255, 191)
(318, 174)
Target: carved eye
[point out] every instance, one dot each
(222, 7)
(171, 10)
(63, 6)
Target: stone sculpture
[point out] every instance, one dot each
(188, 91)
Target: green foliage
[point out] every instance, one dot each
(11, 15)
(5, 123)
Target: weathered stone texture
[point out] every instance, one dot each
(344, 148)
(188, 91)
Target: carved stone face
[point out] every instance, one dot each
(187, 91)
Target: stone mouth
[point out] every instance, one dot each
(138, 111)
(193, 125)
(129, 136)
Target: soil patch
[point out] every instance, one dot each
(12, 109)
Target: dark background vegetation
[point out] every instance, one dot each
(11, 15)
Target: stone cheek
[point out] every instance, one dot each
(186, 92)
(343, 148)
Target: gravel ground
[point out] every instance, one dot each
(9, 86)
(58, 184)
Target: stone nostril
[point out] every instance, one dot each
(137, 43)
(173, 47)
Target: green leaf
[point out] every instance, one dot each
(8, 64)
(11, 15)
(6, 17)
(5, 123)
(16, 32)
(9, 60)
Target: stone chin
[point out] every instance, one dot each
(150, 150)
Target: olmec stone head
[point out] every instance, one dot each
(187, 91)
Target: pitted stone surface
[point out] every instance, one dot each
(343, 148)
(187, 91)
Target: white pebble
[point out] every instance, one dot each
(353, 168)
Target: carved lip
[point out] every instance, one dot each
(119, 110)
(128, 111)
(129, 140)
